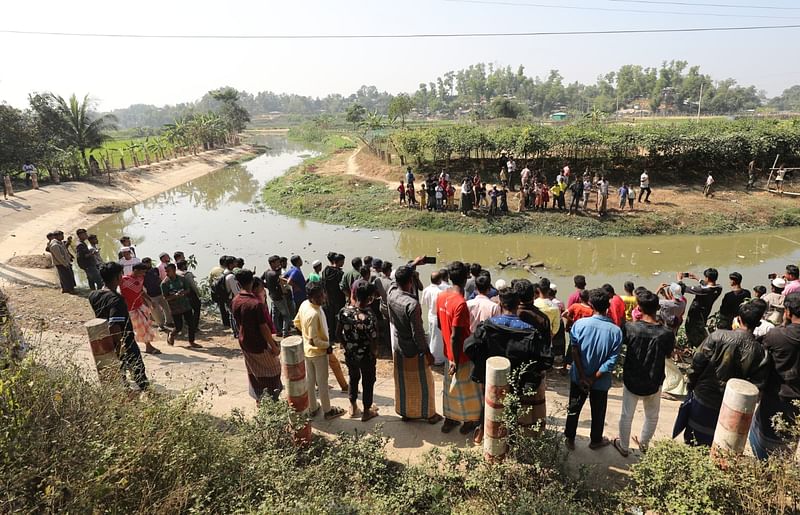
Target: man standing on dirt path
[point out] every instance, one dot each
(596, 343)
(87, 261)
(462, 397)
(751, 175)
(62, 261)
(511, 166)
(644, 186)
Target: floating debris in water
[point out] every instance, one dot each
(656, 251)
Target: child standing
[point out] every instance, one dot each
(439, 197)
(493, 194)
(402, 191)
(623, 197)
(631, 196)
(708, 191)
(503, 200)
(451, 195)
(412, 199)
(423, 194)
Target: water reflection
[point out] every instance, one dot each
(215, 215)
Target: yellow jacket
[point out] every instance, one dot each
(313, 325)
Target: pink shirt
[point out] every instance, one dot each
(793, 286)
(481, 308)
(575, 298)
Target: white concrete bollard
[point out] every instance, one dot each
(735, 415)
(293, 362)
(494, 431)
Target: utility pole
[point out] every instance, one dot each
(700, 102)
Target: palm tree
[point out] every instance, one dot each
(78, 127)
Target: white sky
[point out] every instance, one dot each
(118, 72)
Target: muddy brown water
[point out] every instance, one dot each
(222, 213)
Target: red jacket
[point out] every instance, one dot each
(616, 310)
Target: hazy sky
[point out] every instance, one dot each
(119, 71)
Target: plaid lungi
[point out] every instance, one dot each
(462, 397)
(413, 387)
(142, 330)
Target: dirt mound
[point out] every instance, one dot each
(34, 261)
(105, 207)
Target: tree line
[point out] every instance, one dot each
(684, 145)
(487, 91)
(62, 134)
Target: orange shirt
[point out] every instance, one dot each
(452, 311)
(578, 311)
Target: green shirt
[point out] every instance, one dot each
(177, 305)
(314, 277)
(348, 279)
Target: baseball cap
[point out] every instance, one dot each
(500, 284)
(316, 263)
(675, 289)
(779, 283)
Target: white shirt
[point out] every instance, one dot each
(127, 264)
(780, 175)
(511, 165)
(709, 181)
(232, 285)
(481, 308)
(428, 298)
(644, 180)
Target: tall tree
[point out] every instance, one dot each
(355, 114)
(72, 123)
(400, 106)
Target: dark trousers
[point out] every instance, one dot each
(131, 361)
(575, 203)
(282, 317)
(641, 192)
(223, 313)
(598, 400)
(363, 370)
(93, 277)
(66, 277)
(187, 317)
(194, 300)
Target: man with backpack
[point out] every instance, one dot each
(225, 289)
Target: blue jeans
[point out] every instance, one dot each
(282, 316)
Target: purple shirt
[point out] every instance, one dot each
(575, 298)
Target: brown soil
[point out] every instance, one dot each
(105, 206)
(36, 261)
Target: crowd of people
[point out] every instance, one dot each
(376, 310)
(440, 193)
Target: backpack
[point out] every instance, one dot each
(219, 290)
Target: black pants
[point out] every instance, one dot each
(598, 400)
(641, 192)
(188, 317)
(364, 370)
(131, 361)
(223, 313)
(194, 300)
(575, 203)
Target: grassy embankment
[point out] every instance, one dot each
(354, 201)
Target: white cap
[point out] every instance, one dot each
(553, 287)
(500, 284)
(675, 289)
(316, 263)
(779, 283)
(125, 249)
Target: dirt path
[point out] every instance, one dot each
(29, 215)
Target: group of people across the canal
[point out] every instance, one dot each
(441, 193)
(374, 309)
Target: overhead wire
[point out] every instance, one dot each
(615, 9)
(695, 4)
(398, 36)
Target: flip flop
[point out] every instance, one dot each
(152, 351)
(618, 447)
(642, 448)
(334, 413)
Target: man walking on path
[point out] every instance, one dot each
(414, 391)
(175, 290)
(648, 344)
(462, 397)
(62, 259)
(644, 187)
(109, 305)
(313, 326)
(596, 342)
(86, 258)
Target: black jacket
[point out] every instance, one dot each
(726, 355)
(528, 350)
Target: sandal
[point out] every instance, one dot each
(618, 447)
(334, 413)
(369, 414)
(152, 350)
(171, 338)
(642, 448)
(193, 345)
(599, 445)
(477, 438)
(468, 427)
